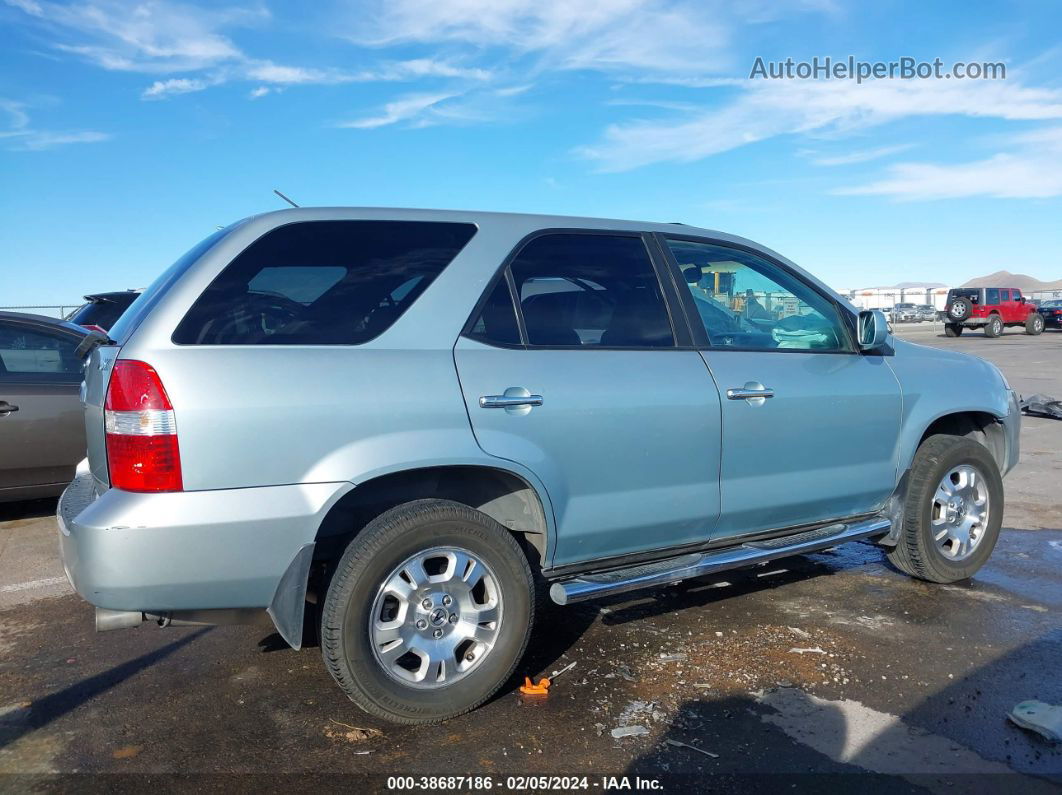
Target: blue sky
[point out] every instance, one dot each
(130, 130)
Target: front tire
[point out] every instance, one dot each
(994, 326)
(428, 612)
(1034, 324)
(953, 511)
(952, 330)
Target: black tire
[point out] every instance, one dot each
(1034, 324)
(370, 558)
(994, 326)
(960, 309)
(916, 552)
(952, 330)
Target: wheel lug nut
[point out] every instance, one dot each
(426, 604)
(447, 600)
(470, 657)
(422, 624)
(453, 618)
(437, 633)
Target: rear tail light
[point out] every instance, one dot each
(142, 451)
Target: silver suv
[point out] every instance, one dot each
(404, 431)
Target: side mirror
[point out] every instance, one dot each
(873, 329)
(1022, 299)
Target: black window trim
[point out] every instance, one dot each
(700, 335)
(32, 379)
(325, 345)
(681, 339)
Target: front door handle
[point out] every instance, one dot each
(746, 394)
(509, 401)
(6, 408)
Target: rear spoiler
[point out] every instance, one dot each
(93, 340)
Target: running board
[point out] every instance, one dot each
(698, 564)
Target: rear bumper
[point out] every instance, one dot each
(195, 550)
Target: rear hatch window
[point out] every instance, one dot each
(973, 293)
(322, 283)
(102, 310)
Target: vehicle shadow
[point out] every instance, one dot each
(955, 740)
(27, 509)
(40, 713)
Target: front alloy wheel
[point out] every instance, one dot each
(952, 512)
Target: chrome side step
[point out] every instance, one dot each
(698, 564)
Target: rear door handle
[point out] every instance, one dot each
(6, 408)
(509, 401)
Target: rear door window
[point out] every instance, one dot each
(322, 283)
(992, 296)
(590, 290)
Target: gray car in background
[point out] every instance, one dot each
(42, 425)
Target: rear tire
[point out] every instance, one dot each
(1034, 324)
(926, 516)
(952, 330)
(994, 326)
(408, 663)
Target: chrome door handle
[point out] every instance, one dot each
(509, 401)
(746, 394)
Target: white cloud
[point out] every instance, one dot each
(861, 156)
(178, 85)
(20, 135)
(1033, 170)
(404, 109)
(150, 36)
(259, 92)
(766, 109)
(679, 35)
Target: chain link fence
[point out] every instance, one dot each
(51, 310)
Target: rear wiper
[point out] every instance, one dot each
(93, 340)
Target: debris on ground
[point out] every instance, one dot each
(352, 734)
(1042, 406)
(529, 688)
(680, 744)
(672, 657)
(629, 731)
(626, 672)
(813, 650)
(1045, 719)
(800, 633)
(565, 669)
(127, 752)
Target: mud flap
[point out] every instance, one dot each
(289, 601)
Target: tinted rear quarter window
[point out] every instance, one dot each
(322, 283)
(30, 354)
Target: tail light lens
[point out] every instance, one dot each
(142, 450)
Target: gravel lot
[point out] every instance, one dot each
(825, 666)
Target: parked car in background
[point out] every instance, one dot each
(408, 427)
(102, 310)
(42, 423)
(905, 313)
(927, 313)
(990, 308)
(1051, 312)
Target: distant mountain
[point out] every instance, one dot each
(1026, 284)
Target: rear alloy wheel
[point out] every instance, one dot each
(952, 330)
(1034, 324)
(994, 326)
(953, 510)
(960, 309)
(428, 612)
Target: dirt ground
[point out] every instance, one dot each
(824, 671)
